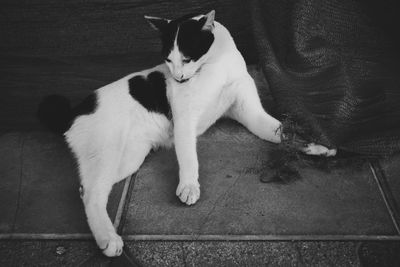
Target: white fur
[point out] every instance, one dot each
(318, 150)
(112, 143)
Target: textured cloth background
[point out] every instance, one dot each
(76, 46)
(332, 67)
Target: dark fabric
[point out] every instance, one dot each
(74, 47)
(332, 67)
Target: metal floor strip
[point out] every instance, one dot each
(78, 236)
(258, 237)
(387, 195)
(121, 203)
(125, 206)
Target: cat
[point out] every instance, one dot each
(204, 77)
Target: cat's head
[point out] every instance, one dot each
(185, 42)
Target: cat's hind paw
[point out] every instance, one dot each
(113, 245)
(188, 193)
(318, 150)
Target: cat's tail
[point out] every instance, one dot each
(55, 112)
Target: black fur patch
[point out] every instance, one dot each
(192, 40)
(151, 92)
(56, 113)
(86, 107)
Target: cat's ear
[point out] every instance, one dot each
(209, 24)
(157, 23)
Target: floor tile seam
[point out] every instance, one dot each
(202, 237)
(125, 206)
(121, 203)
(386, 194)
(285, 237)
(21, 173)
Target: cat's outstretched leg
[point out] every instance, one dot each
(98, 177)
(103, 231)
(188, 189)
(96, 189)
(247, 110)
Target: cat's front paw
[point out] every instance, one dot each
(112, 246)
(188, 192)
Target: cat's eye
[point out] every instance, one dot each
(186, 60)
(168, 60)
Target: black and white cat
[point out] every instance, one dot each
(204, 78)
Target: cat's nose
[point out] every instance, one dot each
(179, 76)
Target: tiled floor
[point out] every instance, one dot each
(39, 187)
(39, 200)
(344, 202)
(39, 194)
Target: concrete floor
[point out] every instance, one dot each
(175, 253)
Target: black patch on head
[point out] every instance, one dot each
(151, 92)
(193, 42)
(86, 107)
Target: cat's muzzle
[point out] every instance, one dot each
(182, 80)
